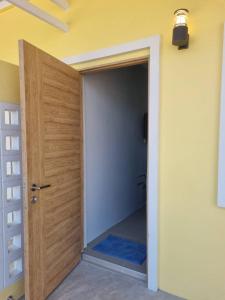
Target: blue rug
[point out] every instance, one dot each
(123, 249)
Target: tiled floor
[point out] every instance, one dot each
(91, 282)
(132, 228)
(88, 281)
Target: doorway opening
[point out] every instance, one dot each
(115, 167)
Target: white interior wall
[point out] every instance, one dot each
(115, 154)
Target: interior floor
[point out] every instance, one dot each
(132, 228)
(88, 281)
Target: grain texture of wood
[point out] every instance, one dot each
(51, 105)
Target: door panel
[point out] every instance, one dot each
(52, 154)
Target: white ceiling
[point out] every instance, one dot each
(4, 4)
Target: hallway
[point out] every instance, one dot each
(132, 228)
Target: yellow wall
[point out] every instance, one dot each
(9, 82)
(192, 239)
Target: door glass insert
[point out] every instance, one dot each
(14, 118)
(7, 117)
(14, 218)
(12, 143)
(8, 143)
(16, 167)
(12, 168)
(15, 267)
(8, 168)
(14, 243)
(13, 193)
(11, 117)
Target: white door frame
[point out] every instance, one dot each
(153, 44)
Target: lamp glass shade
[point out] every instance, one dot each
(181, 17)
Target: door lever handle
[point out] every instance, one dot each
(37, 187)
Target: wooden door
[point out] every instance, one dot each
(52, 158)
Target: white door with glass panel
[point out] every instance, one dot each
(11, 237)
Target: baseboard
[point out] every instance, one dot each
(114, 267)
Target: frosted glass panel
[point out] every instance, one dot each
(14, 118)
(8, 143)
(8, 168)
(9, 194)
(13, 193)
(14, 243)
(12, 168)
(7, 117)
(16, 168)
(16, 192)
(16, 267)
(14, 218)
(11, 117)
(15, 143)
(12, 143)
(10, 218)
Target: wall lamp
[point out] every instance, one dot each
(180, 30)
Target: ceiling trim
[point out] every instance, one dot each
(62, 3)
(40, 14)
(4, 4)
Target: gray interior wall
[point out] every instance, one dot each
(115, 154)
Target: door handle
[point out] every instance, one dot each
(37, 187)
